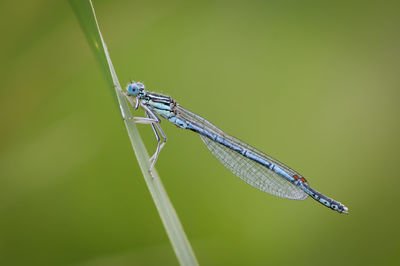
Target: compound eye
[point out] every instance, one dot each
(133, 89)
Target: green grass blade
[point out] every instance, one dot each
(85, 13)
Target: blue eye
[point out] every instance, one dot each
(132, 89)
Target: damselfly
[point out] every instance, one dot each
(249, 164)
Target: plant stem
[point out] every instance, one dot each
(86, 15)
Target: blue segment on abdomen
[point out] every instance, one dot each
(178, 122)
(337, 206)
(283, 173)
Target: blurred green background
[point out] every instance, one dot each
(314, 84)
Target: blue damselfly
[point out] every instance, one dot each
(249, 164)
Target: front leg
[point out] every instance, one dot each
(151, 118)
(142, 120)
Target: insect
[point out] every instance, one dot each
(249, 164)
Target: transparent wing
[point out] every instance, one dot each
(249, 171)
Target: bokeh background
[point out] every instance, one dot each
(314, 84)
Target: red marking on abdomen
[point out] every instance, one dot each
(301, 178)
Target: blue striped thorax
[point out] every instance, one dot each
(160, 104)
